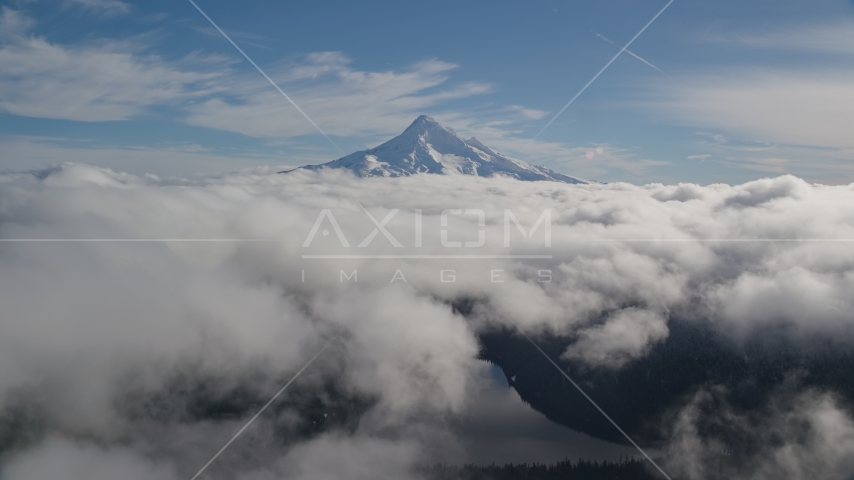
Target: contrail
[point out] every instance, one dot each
(267, 77)
(604, 68)
(603, 37)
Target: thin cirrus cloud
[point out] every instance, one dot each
(502, 133)
(778, 106)
(772, 120)
(24, 153)
(107, 8)
(117, 80)
(799, 113)
(101, 81)
(344, 100)
(827, 38)
(114, 80)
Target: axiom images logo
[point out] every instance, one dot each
(452, 238)
(447, 236)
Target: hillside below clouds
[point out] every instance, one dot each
(428, 147)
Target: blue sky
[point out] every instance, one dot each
(736, 90)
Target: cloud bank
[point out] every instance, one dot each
(108, 350)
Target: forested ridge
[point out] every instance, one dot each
(628, 469)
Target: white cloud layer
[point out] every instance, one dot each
(799, 435)
(62, 458)
(82, 321)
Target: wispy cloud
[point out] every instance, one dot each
(345, 100)
(502, 130)
(110, 80)
(25, 153)
(754, 117)
(247, 38)
(13, 22)
(778, 106)
(105, 80)
(103, 7)
(823, 38)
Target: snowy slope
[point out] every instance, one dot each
(427, 147)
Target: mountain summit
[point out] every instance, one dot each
(427, 147)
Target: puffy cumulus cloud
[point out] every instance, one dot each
(626, 335)
(125, 343)
(763, 191)
(796, 435)
(410, 347)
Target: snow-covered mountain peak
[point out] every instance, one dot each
(428, 147)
